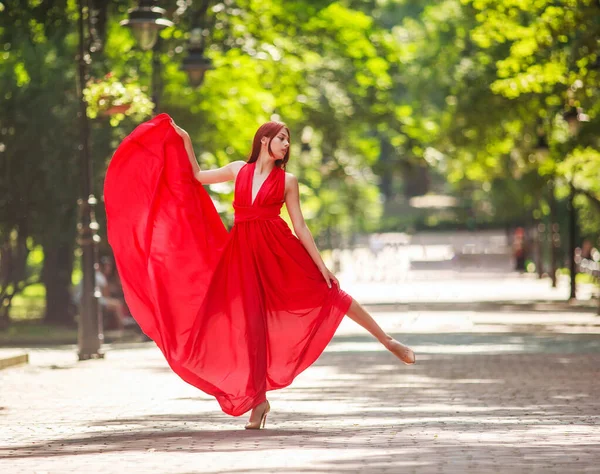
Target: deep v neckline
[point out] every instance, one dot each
(252, 201)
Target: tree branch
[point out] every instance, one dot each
(591, 196)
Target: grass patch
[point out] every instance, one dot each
(35, 332)
(29, 304)
(582, 278)
(585, 278)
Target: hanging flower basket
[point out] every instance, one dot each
(115, 109)
(109, 97)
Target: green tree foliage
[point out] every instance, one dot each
(397, 94)
(496, 78)
(317, 64)
(38, 130)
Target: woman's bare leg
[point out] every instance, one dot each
(359, 315)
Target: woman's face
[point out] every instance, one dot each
(280, 144)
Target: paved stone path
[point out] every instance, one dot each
(487, 395)
(461, 287)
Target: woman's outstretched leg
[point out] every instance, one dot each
(359, 315)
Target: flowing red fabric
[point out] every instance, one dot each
(235, 313)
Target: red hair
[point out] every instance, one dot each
(269, 130)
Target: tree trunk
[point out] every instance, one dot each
(13, 262)
(553, 232)
(416, 179)
(56, 276)
(5, 275)
(386, 169)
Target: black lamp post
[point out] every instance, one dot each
(573, 116)
(89, 333)
(196, 64)
(542, 151)
(145, 21)
(554, 234)
(572, 242)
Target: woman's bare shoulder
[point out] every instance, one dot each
(290, 179)
(291, 182)
(236, 166)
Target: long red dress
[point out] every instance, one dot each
(235, 314)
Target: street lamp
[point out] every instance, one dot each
(89, 334)
(573, 116)
(145, 21)
(196, 64)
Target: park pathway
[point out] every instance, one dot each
(492, 392)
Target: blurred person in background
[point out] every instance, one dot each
(519, 249)
(113, 299)
(113, 310)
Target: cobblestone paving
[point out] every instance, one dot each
(477, 402)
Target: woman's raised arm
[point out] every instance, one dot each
(219, 175)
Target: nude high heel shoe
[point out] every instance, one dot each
(256, 425)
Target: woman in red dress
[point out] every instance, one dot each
(236, 313)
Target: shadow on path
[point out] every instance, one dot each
(530, 403)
